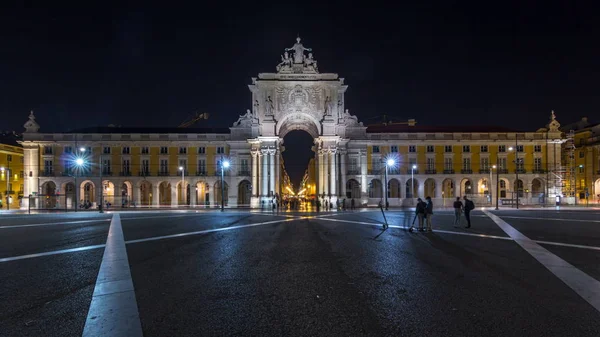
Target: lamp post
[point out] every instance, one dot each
(182, 184)
(389, 163)
(517, 166)
(79, 162)
(224, 165)
(491, 183)
(7, 175)
(101, 186)
(412, 181)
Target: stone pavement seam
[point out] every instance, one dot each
(113, 311)
(584, 285)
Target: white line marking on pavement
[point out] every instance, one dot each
(207, 231)
(55, 252)
(114, 311)
(548, 219)
(566, 245)
(583, 284)
(53, 223)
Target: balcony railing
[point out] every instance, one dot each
(411, 171)
(353, 172)
(375, 172)
(520, 171)
(463, 171)
(244, 173)
(125, 173)
(503, 171)
(144, 173)
(434, 171)
(394, 171)
(200, 173)
(163, 173)
(107, 173)
(48, 174)
(484, 171)
(448, 171)
(178, 173)
(539, 171)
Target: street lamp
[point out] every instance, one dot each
(389, 163)
(490, 184)
(224, 165)
(79, 162)
(7, 175)
(182, 183)
(412, 181)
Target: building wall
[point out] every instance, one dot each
(11, 159)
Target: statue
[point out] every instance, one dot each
(269, 106)
(256, 105)
(298, 49)
(326, 107)
(245, 120)
(286, 62)
(309, 62)
(553, 116)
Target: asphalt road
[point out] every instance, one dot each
(303, 274)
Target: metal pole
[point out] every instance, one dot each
(517, 166)
(490, 184)
(7, 184)
(101, 186)
(183, 199)
(497, 180)
(386, 187)
(222, 187)
(412, 183)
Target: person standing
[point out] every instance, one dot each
(420, 212)
(429, 212)
(458, 209)
(469, 206)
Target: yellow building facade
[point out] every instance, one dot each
(11, 175)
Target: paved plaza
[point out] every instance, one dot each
(529, 272)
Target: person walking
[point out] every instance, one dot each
(420, 212)
(458, 209)
(469, 206)
(352, 204)
(429, 212)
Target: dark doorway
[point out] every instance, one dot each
(298, 152)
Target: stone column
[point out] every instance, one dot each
(319, 172)
(332, 173)
(272, 172)
(344, 171)
(174, 202)
(254, 173)
(277, 172)
(265, 174)
(363, 173)
(31, 162)
(155, 195)
(325, 168)
(193, 194)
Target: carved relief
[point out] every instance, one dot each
(298, 99)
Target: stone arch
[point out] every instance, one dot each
(202, 193)
(376, 189)
(394, 188)
(448, 188)
(483, 186)
(429, 187)
(49, 195)
(164, 193)
(87, 191)
(244, 193)
(537, 188)
(217, 193)
(353, 189)
(596, 193)
(519, 187)
(145, 193)
(125, 193)
(466, 187)
(298, 121)
(70, 194)
(108, 190)
(503, 186)
(412, 188)
(183, 193)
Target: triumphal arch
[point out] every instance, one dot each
(297, 97)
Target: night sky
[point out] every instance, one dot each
(79, 65)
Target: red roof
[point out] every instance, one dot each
(393, 128)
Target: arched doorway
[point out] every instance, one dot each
(503, 190)
(218, 198)
(244, 193)
(145, 193)
(183, 193)
(596, 190)
(518, 187)
(376, 189)
(164, 193)
(466, 187)
(352, 189)
(71, 196)
(412, 188)
(202, 196)
(537, 188)
(108, 189)
(88, 192)
(49, 195)
(447, 188)
(394, 188)
(126, 194)
(429, 186)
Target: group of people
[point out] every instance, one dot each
(424, 213)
